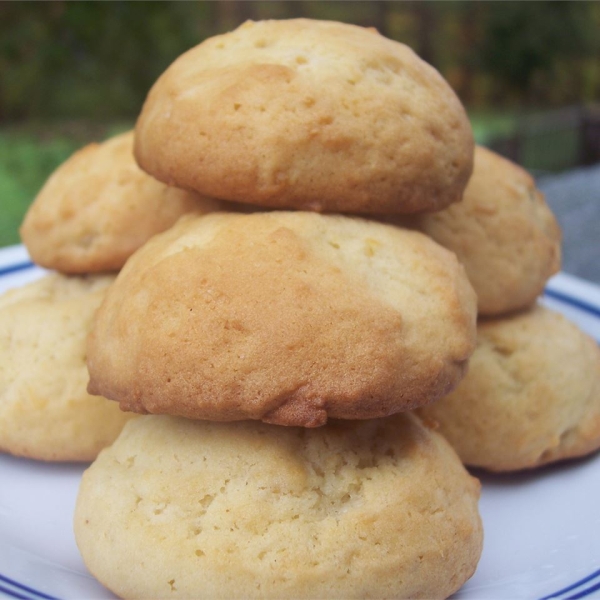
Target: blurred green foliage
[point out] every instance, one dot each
(89, 59)
(527, 46)
(97, 60)
(28, 155)
(25, 163)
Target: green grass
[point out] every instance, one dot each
(28, 155)
(25, 163)
(488, 125)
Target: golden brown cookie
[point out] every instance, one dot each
(98, 207)
(503, 232)
(45, 411)
(531, 396)
(312, 115)
(288, 317)
(194, 509)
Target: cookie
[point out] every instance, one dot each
(311, 115)
(98, 207)
(531, 396)
(196, 509)
(287, 317)
(503, 232)
(45, 411)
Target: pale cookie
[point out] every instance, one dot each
(98, 207)
(312, 115)
(503, 232)
(288, 317)
(363, 509)
(45, 411)
(531, 396)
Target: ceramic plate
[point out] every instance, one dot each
(542, 529)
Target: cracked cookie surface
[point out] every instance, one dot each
(362, 509)
(502, 231)
(45, 411)
(311, 115)
(98, 207)
(287, 317)
(531, 396)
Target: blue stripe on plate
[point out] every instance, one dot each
(22, 588)
(567, 299)
(575, 585)
(14, 594)
(16, 267)
(585, 592)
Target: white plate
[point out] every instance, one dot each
(542, 529)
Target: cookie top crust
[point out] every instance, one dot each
(45, 410)
(502, 231)
(286, 317)
(311, 115)
(531, 396)
(98, 207)
(363, 509)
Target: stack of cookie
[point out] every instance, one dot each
(282, 331)
(277, 346)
